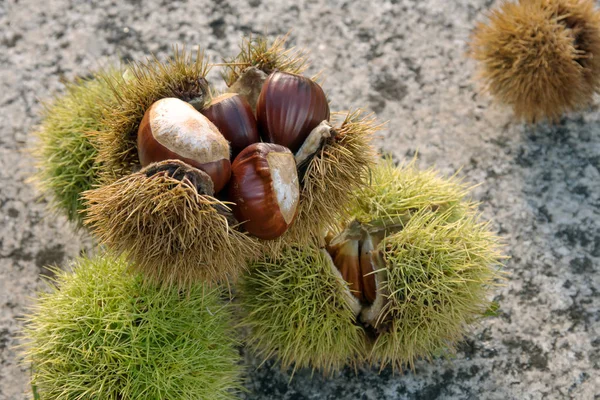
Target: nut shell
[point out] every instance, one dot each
(289, 107)
(355, 255)
(173, 130)
(265, 189)
(346, 259)
(234, 118)
(368, 265)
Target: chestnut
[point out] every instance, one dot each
(234, 118)
(289, 107)
(346, 258)
(367, 263)
(265, 189)
(173, 130)
(354, 254)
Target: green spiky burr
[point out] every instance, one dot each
(65, 156)
(413, 267)
(294, 309)
(102, 333)
(435, 262)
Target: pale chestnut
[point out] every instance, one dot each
(173, 129)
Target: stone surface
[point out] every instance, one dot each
(404, 60)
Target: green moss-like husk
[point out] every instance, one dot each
(66, 159)
(101, 333)
(295, 311)
(440, 261)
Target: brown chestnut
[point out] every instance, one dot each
(264, 187)
(234, 118)
(368, 255)
(354, 254)
(289, 107)
(346, 258)
(173, 130)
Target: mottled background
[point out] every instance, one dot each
(404, 60)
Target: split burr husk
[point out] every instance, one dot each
(100, 332)
(542, 57)
(432, 264)
(440, 262)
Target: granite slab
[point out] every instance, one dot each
(402, 59)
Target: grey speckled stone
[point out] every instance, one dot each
(403, 59)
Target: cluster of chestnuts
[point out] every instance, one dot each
(404, 265)
(251, 159)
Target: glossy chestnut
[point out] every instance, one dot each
(355, 256)
(346, 259)
(173, 130)
(234, 118)
(289, 107)
(265, 189)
